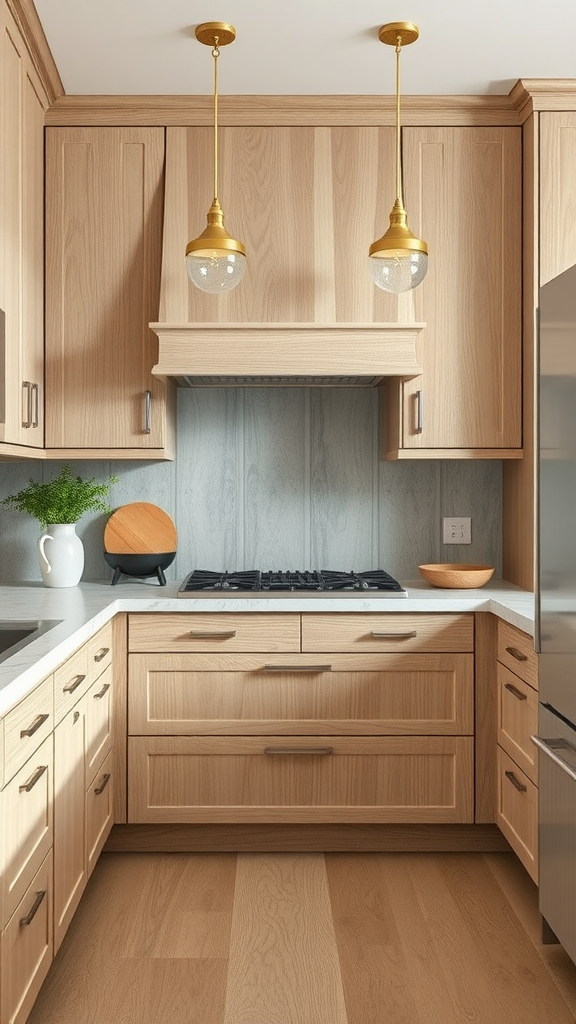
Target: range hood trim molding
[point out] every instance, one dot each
(372, 351)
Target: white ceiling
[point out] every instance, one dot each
(308, 46)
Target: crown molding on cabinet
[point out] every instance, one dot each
(26, 17)
(531, 94)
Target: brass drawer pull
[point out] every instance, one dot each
(206, 635)
(74, 684)
(100, 694)
(299, 750)
(517, 785)
(105, 780)
(394, 636)
(101, 653)
(297, 668)
(38, 721)
(27, 786)
(517, 693)
(75, 717)
(38, 897)
(515, 653)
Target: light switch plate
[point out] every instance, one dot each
(457, 530)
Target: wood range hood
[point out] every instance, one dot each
(304, 293)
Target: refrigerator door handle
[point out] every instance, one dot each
(551, 748)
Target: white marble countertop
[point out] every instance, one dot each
(81, 611)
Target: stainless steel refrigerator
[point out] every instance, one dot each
(555, 634)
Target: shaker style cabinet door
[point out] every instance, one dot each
(104, 199)
(464, 197)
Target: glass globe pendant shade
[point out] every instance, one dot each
(215, 262)
(398, 261)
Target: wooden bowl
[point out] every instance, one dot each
(455, 576)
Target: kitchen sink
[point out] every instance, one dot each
(16, 634)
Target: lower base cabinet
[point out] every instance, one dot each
(99, 813)
(27, 948)
(309, 779)
(517, 801)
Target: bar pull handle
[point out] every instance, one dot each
(26, 403)
(27, 786)
(517, 693)
(297, 668)
(38, 721)
(394, 636)
(419, 411)
(100, 694)
(29, 917)
(73, 684)
(299, 750)
(147, 412)
(35, 403)
(103, 783)
(515, 782)
(101, 653)
(515, 653)
(198, 634)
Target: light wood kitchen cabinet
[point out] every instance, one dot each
(463, 193)
(557, 160)
(341, 735)
(23, 103)
(517, 757)
(104, 200)
(27, 948)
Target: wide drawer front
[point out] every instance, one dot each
(518, 721)
(71, 681)
(418, 694)
(516, 651)
(26, 806)
(99, 651)
(190, 632)
(517, 815)
(309, 779)
(387, 632)
(27, 726)
(27, 947)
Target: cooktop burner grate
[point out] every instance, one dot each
(287, 581)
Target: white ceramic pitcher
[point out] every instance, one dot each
(61, 555)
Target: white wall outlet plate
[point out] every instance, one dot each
(457, 530)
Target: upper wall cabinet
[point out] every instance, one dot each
(104, 204)
(22, 106)
(464, 197)
(557, 193)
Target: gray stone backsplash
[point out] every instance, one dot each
(280, 478)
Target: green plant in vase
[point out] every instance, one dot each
(58, 505)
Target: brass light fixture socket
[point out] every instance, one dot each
(214, 236)
(213, 33)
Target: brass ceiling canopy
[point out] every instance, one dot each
(215, 261)
(398, 260)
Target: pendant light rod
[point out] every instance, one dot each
(399, 189)
(216, 54)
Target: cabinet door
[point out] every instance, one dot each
(23, 104)
(98, 723)
(104, 198)
(557, 192)
(463, 195)
(27, 948)
(69, 825)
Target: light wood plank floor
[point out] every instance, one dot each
(308, 939)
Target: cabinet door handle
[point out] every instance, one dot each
(515, 653)
(419, 411)
(103, 783)
(27, 786)
(26, 403)
(29, 917)
(517, 693)
(197, 634)
(101, 653)
(35, 402)
(75, 717)
(38, 721)
(515, 782)
(100, 694)
(73, 684)
(299, 750)
(297, 668)
(394, 636)
(147, 412)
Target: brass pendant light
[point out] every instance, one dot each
(215, 261)
(398, 260)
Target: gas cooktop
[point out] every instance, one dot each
(375, 582)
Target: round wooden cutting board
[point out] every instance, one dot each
(139, 529)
